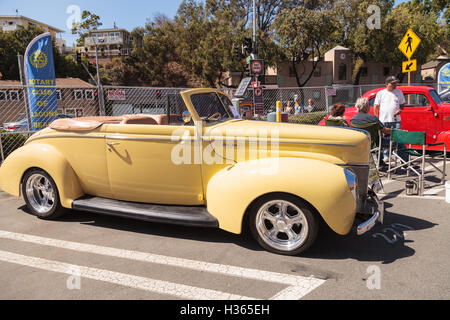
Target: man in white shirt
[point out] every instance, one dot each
(388, 106)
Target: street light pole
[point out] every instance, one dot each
(255, 40)
(101, 99)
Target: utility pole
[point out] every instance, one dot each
(255, 39)
(101, 98)
(25, 88)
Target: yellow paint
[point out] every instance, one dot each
(412, 66)
(231, 164)
(409, 43)
(278, 111)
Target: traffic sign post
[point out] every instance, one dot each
(408, 46)
(258, 100)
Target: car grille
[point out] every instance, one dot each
(362, 183)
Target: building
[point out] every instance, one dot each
(112, 43)
(75, 97)
(12, 23)
(430, 70)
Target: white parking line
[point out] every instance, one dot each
(301, 285)
(157, 286)
(434, 191)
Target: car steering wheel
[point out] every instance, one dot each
(215, 117)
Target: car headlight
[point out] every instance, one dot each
(351, 181)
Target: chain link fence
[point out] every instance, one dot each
(17, 122)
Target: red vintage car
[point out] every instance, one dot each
(424, 111)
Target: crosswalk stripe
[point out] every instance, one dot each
(303, 284)
(157, 286)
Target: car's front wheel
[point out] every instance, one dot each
(283, 224)
(41, 195)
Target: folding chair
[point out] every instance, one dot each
(375, 137)
(415, 138)
(335, 123)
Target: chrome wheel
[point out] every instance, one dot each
(40, 193)
(282, 225)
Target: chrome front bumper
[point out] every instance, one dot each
(377, 215)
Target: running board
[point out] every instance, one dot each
(183, 215)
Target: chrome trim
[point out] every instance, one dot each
(52, 136)
(209, 139)
(145, 138)
(351, 181)
(378, 216)
(354, 165)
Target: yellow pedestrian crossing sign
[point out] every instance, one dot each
(409, 43)
(409, 66)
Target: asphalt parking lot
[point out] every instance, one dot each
(88, 256)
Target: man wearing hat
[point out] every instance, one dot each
(388, 106)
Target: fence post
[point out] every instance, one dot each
(101, 101)
(326, 99)
(1, 148)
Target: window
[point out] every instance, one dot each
(385, 71)
(3, 95)
(89, 94)
(59, 94)
(342, 72)
(364, 72)
(78, 95)
(14, 95)
(416, 100)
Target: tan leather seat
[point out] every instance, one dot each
(161, 119)
(138, 119)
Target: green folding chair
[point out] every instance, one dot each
(415, 155)
(336, 123)
(375, 137)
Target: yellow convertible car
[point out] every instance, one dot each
(199, 164)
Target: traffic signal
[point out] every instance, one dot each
(78, 57)
(158, 94)
(248, 45)
(237, 52)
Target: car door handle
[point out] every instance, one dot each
(113, 144)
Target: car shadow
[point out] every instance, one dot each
(384, 243)
(202, 234)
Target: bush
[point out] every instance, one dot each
(308, 118)
(11, 142)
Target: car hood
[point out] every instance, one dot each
(334, 144)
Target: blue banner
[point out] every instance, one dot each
(444, 78)
(40, 77)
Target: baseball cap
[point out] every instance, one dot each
(391, 79)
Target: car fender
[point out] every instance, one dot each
(444, 136)
(47, 158)
(323, 185)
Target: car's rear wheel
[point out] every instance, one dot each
(283, 224)
(41, 195)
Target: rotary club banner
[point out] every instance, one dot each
(40, 77)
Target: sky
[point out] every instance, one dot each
(126, 14)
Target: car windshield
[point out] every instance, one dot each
(435, 97)
(212, 106)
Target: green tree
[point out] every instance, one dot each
(13, 43)
(16, 42)
(303, 32)
(90, 22)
